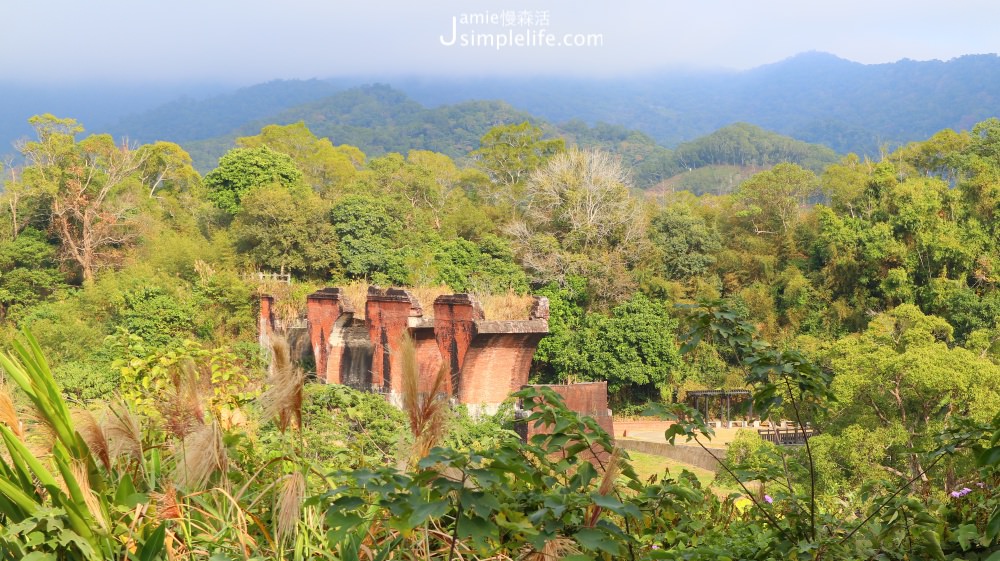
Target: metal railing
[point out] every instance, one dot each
(261, 276)
(786, 436)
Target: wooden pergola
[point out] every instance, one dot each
(702, 399)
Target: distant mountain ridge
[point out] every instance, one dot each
(189, 119)
(814, 97)
(379, 119)
(856, 107)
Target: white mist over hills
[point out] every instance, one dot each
(813, 96)
(60, 42)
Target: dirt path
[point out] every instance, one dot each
(652, 431)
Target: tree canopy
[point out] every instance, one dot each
(244, 169)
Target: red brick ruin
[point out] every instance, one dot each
(589, 399)
(485, 360)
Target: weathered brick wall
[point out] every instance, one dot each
(587, 399)
(455, 319)
(351, 355)
(428, 355)
(323, 308)
(498, 358)
(496, 364)
(265, 320)
(387, 314)
(484, 360)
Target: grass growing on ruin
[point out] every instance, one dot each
(426, 295)
(505, 306)
(357, 295)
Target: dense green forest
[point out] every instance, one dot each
(379, 120)
(141, 421)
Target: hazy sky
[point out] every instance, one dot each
(245, 41)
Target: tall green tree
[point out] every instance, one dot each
(325, 167)
(904, 374)
(510, 153)
(167, 167)
(688, 245)
(632, 348)
(979, 162)
(772, 199)
(284, 230)
(243, 169)
(368, 244)
(484, 267)
(91, 186)
(29, 273)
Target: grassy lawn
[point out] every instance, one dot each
(647, 465)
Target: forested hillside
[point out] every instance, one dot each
(379, 119)
(813, 97)
(190, 119)
(872, 319)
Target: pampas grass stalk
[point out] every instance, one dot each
(283, 398)
(288, 504)
(182, 409)
(93, 435)
(79, 472)
(611, 471)
(553, 549)
(123, 431)
(168, 507)
(8, 413)
(426, 413)
(203, 454)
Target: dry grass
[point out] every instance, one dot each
(357, 295)
(289, 304)
(507, 306)
(426, 295)
(426, 412)
(288, 504)
(203, 453)
(8, 413)
(283, 398)
(93, 434)
(553, 550)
